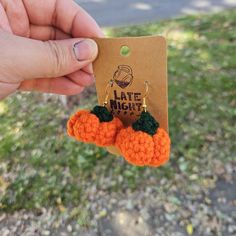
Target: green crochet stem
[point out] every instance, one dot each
(102, 113)
(146, 123)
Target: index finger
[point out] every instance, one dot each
(65, 15)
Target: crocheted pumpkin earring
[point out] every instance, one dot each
(144, 143)
(97, 126)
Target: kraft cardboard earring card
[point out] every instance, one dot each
(129, 62)
(131, 118)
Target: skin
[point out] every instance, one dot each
(36, 46)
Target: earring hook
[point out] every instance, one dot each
(145, 96)
(107, 91)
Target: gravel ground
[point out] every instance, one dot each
(208, 208)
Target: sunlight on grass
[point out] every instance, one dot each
(3, 108)
(181, 35)
(204, 55)
(107, 31)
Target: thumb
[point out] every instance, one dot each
(27, 58)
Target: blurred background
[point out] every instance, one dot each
(52, 185)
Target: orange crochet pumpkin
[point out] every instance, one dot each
(144, 143)
(98, 126)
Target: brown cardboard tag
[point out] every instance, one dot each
(146, 61)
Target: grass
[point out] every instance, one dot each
(41, 167)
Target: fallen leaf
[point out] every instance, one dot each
(189, 229)
(103, 213)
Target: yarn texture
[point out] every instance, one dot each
(146, 123)
(144, 144)
(102, 113)
(98, 126)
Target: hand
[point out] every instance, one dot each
(43, 46)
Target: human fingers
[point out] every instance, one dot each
(43, 59)
(46, 33)
(60, 85)
(4, 23)
(64, 15)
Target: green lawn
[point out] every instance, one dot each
(40, 166)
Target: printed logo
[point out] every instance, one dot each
(125, 102)
(123, 76)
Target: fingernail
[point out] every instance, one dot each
(85, 50)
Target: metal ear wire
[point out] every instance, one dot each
(107, 92)
(145, 96)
